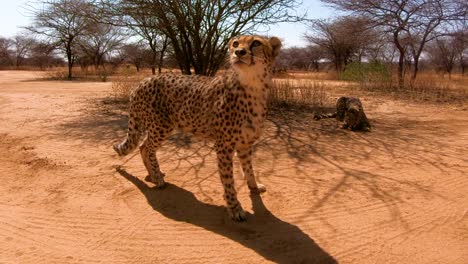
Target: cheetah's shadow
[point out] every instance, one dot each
(270, 237)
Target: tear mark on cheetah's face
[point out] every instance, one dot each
(228, 109)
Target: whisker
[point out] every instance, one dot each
(260, 58)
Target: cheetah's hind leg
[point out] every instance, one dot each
(148, 155)
(131, 141)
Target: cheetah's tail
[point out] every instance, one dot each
(318, 116)
(133, 136)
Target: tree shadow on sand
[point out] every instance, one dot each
(269, 236)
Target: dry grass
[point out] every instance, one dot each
(329, 75)
(297, 93)
(285, 93)
(60, 74)
(124, 82)
(90, 74)
(427, 87)
(301, 90)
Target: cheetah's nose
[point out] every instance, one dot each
(240, 52)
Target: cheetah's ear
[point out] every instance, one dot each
(275, 45)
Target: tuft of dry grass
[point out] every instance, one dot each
(56, 74)
(122, 88)
(297, 93)
(124, 82)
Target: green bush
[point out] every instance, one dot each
(365, 72)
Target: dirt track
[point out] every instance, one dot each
(396, 195)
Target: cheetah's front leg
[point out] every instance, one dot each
(234, 207)
(245, 157)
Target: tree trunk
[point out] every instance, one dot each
(401, 69)
(401, 61)
(70, 64)
(17, 62)
(416, 67)
(153, 62)
(161, 55)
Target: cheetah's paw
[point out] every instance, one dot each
(157, 180)
(116, 148)
(237, 213)
(259, 189)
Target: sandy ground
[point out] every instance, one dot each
(396, 195)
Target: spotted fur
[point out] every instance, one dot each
(229, 110)
(350, 111)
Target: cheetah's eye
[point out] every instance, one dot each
(256, 43)
(235, 44)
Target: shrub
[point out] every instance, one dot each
(366, 72)
(124, 83)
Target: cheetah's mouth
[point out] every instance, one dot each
(239, 61)
(244, 60)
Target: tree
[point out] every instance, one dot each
(341, 39)
(6, 51)
(306, 58)
(442, 54)
(423, 30)
(314, 55)
(199, 31)
(460, 46)
(381, 49)
(23, 45)
(446, 51)
(99, 41)
(146, 27)
(133, 53)
(42, 55)
(412, 23)
(62, 22)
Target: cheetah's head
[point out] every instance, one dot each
(247, 51)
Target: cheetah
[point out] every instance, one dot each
(349, 110)
(229, 110)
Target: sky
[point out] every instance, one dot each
(13, 16)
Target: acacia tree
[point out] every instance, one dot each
(446, 51)
(341, 39)
(42, 54)
(460, 45)
(381, 49)
(23, 45)
(299, 58)
(99, 41)
(61, 22)
(199, 31)
(133, 53)
(6, 51)
(430, 18)
(442, 54)
(412, 23)
(146, 27)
